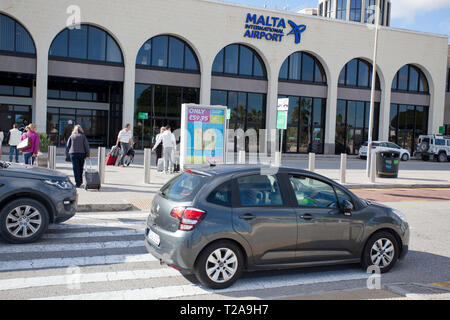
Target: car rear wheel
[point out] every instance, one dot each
(442, 157)
(405, 157)
(219, 265)
(382, 251)
(23, 221)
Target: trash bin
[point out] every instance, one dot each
(387, 164)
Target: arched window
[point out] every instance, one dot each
(14, 37)
(239, 60)
(358, 73)
(411, 79)
(167, 52)
(86, 43)
(303, 67)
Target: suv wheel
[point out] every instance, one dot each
(442, 157)
(381, 250)
(23, 221)
(219, 265)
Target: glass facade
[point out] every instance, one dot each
(341, 10)
(306, 125)
(407, 123)
(352, 125)
(93, 122)
(10, 114)
(410, 79)
(239, 60)
(101, 125)
(247, 110)
(370, 12)
(87, 43)
(16, 85)
(167, 52)
(14, 37)
(355, 10)
(329, 5)
(302, 67)
(358, 73)
(163, 106)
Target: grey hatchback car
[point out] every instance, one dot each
(30, 199)
(217, 222)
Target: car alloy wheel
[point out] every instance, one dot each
(221, 265)
(382, 253)
(405, 157)
(23, 221)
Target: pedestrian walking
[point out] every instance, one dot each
(30, 154)
(159, 149)
(169, 146)
(125, 139)
(79, 151)
(68, 129)
(13, 139)
(23, 126)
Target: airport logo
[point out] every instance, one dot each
(271, 28)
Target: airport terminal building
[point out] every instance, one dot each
(126, 59)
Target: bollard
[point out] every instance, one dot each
(52, 157)
(101, 163)
(343, 167)
(147, 165)
(373, 167)
(241, 157)
(278, 158)
(312, 162)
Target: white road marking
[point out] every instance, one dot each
(241, 285)
(77, 261)
(93, 234)
(32, 282)
(70, 246)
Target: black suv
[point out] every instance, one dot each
(30, 199)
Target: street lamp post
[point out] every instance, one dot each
(372, 93)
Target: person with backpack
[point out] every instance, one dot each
(31, 151)
(13, 139)
(79, 151)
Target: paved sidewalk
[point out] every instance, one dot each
(124, 187)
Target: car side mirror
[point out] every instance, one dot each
(347, 207)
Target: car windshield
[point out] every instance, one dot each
(183, 187)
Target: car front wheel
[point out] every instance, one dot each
(219, 265)
(382, 251)
(23, 221)
(405, 157)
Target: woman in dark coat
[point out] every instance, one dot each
(78, 147)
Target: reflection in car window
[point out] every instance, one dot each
(183, 187)
(311, 192)
(440, 142)
(221, 196)
(343, 196)
(259, 190)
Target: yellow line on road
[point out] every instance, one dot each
(444, 284)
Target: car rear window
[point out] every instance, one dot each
(183, 187)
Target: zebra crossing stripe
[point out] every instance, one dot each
(168, 292)
(77, 261)
(93, 234)
(70, 247)
(83, 278)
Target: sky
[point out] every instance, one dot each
(421, 15)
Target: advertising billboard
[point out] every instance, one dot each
(203, 129)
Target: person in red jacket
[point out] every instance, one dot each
(30, 154)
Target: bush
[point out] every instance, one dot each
(44, 143)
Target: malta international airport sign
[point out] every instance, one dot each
(203, 129)
(272, 28)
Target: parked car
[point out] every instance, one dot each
(433, 147)
(384, 146)
(30, 199)
(217, 222)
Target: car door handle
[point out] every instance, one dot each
(247, 216)
(306, 216)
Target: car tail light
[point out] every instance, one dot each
(189, 217)
(373, 147)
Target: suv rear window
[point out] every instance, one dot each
(183, 187)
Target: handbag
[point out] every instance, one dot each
(25, 144)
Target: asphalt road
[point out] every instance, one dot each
(101, 256)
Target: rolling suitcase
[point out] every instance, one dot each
(160, 165)
(110, 160)
(91, 178)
